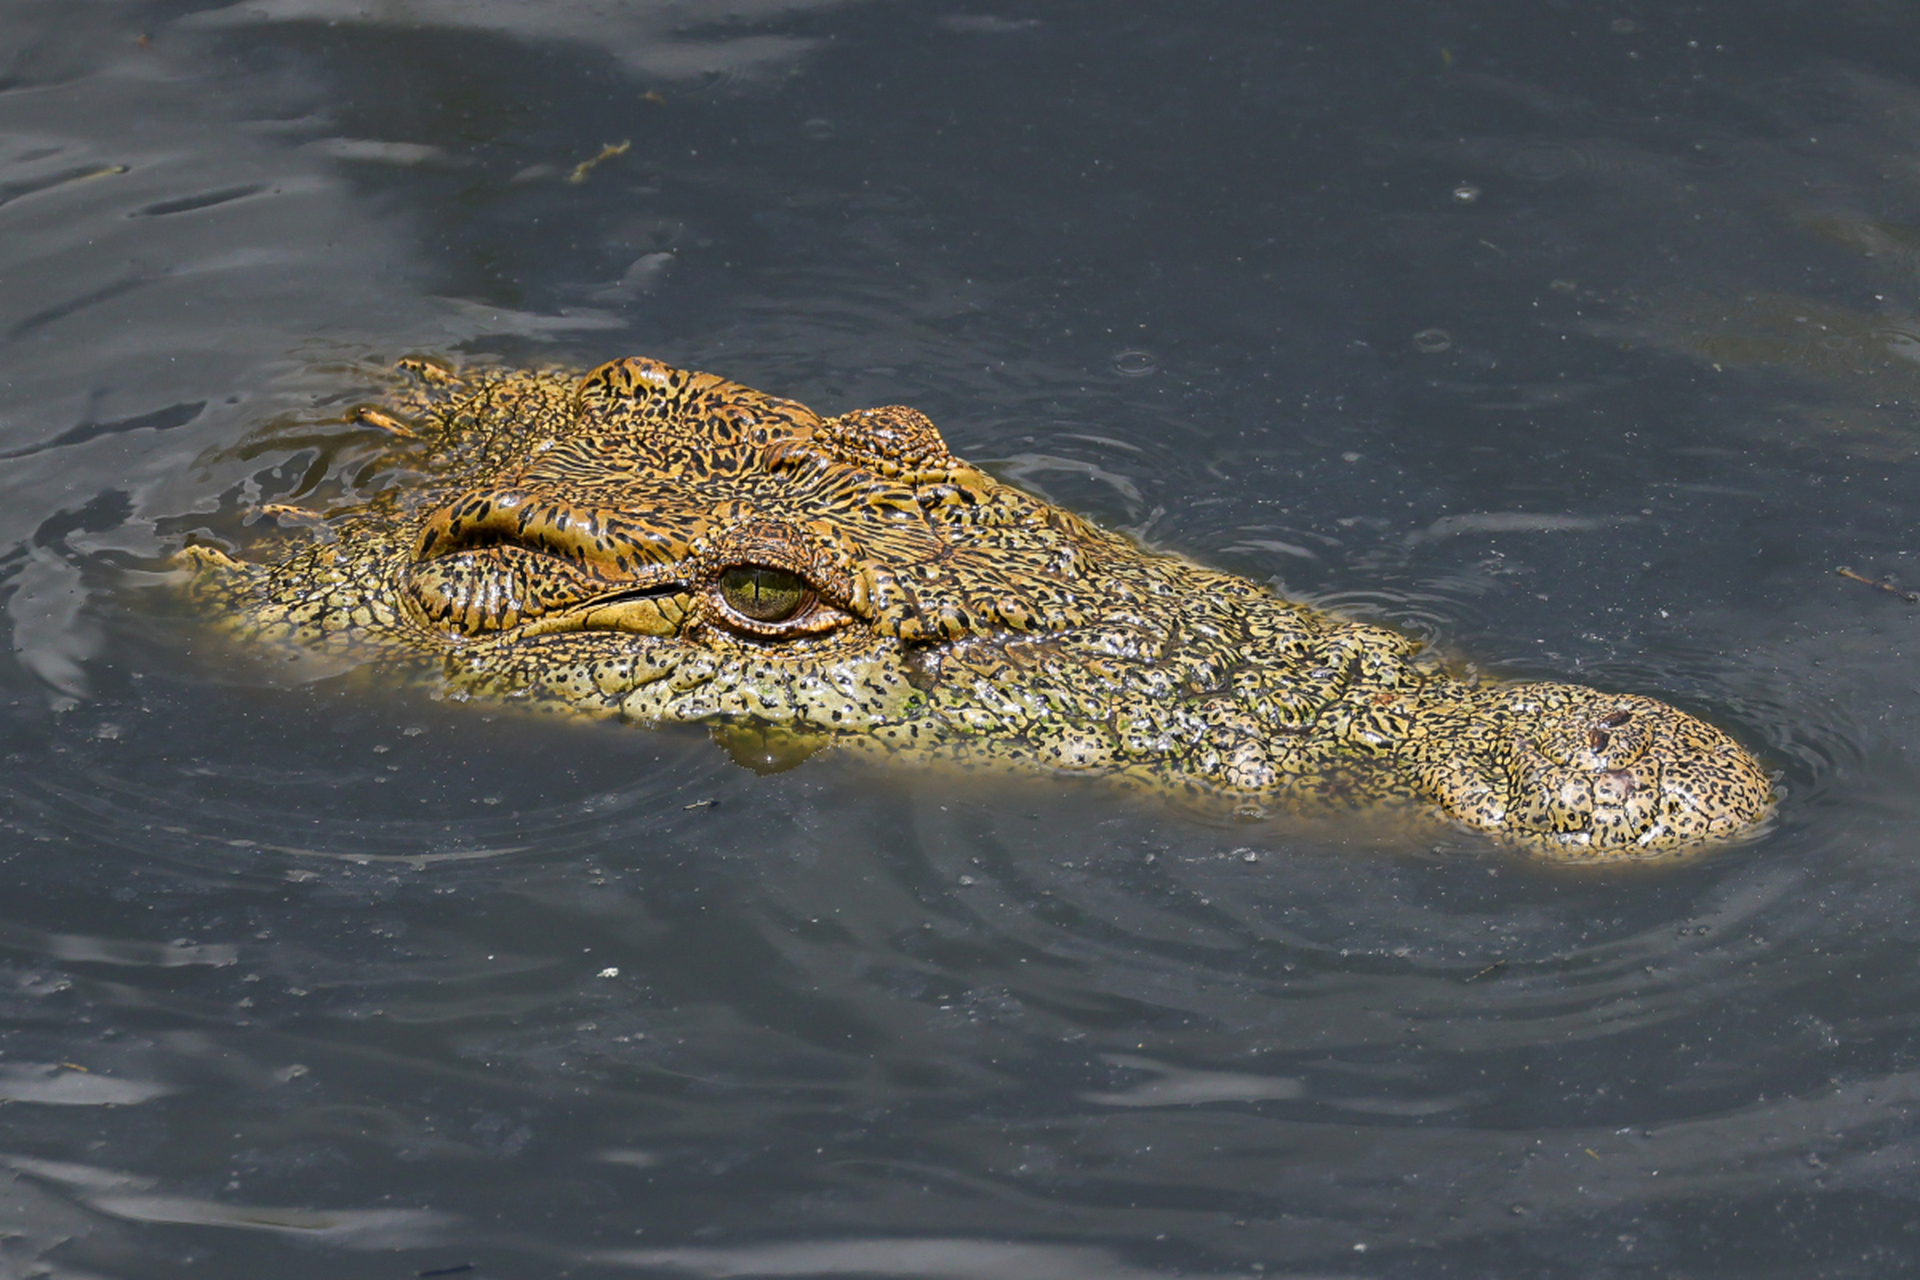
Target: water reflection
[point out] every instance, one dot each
(651, 40)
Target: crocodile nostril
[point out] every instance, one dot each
(1597, 740)
(1617, 719)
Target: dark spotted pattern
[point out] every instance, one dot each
(663, 546)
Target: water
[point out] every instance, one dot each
(1578, 338)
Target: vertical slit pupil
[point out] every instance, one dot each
(763, 593)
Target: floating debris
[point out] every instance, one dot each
(1879, 584)
(607, 152)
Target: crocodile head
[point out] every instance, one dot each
(664, 546)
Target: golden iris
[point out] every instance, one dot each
(762, 593)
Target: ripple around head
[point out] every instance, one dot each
(890, 933)
(250, 822)
(1065, 913)
(1814, 745)
(257, 779)
(1428, 612)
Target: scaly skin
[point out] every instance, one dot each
(582, 542)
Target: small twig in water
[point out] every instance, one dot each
(607, 152)
(1489, 971)
(1911, 597)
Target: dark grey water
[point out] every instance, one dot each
(1584, 338)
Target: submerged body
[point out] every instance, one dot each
(668, 546)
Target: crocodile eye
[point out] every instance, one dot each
(763, 594)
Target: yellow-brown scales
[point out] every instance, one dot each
(663, 546)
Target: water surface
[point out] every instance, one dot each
(1581, 339)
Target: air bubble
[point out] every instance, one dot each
(1134, 364)
(817, 130)
(1432, 341)
(1465, 193)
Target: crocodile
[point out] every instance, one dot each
(665, 546)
